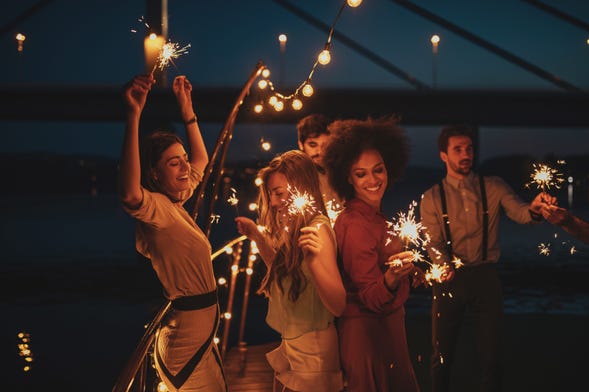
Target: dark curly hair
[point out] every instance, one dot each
(312, 125)
(351, 137)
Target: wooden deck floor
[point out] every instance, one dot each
(247, 369)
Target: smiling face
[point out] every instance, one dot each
(277, 191)
(172, 171)
(368, 176)
(459, 156)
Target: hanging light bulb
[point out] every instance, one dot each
(258, 108)
(266, 72)
(308, 90)
(266, 146)
(297, 104)
(354, 3)
(20, 38)
(324, 57)
(278, 106)
(258, 181)
(253, 206)
(272, 101)
(262, 84)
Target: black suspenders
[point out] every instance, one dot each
(485, 218)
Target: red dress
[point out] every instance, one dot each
(373, 343)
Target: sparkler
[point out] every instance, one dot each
(545, 177)
(408, 229)
(544, 249)
(169, 52)
(333, 210)
(233, 200)
(300, 203)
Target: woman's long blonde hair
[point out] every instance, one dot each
(302, 177)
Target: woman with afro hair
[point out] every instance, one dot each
(363, 159)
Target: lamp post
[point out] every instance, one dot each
(435, 40)
(282, 40)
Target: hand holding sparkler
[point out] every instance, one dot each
(248, 228)
(310, 241)
(541, 201)
(136, 92)
(400, 266)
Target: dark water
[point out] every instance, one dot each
(72, 280)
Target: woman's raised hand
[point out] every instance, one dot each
(183, 92)
(136, 92)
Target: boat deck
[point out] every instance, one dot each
(246, 368)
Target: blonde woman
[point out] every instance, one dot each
(302, 282)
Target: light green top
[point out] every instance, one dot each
(293, 319)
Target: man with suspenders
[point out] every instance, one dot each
(462, 215)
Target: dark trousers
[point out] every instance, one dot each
(475, 292)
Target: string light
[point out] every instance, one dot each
(324, 57)
(297, 104)
(20, 38)
(258, 108)
(262, 84)
(305, 88)
(266, 146)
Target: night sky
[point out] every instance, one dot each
(91, 43)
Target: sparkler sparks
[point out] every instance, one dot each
(545, 177)
(544, 249)
(169, 52)
(333, 210)
(300, 203)
(233, 200)
(408, 229)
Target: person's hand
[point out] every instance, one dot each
(183, 91)
(136, 91)
(448, 272)
(541, 200)
(417, 277)
(555, 215)
(400, 266)
(247, 227)
(309, 241)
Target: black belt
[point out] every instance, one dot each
(194, 302)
